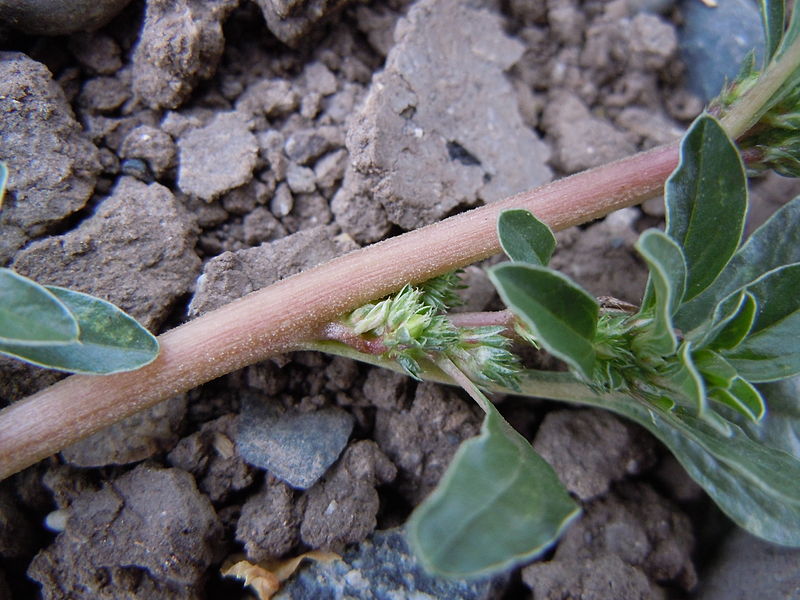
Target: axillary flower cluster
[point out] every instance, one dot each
(411, 327)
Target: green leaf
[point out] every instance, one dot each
(524, 238)
(731, 331)
(706, 199)
(688, 381)
(747, 471)
(771, 350)
(561, 315)
(775, 244)
(781, 429)
(742, 397)
(30, 314)
(497, 505)
(773, 14)
(716, 370)
(666, 286)
(110, 341)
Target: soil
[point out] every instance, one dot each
(190, 152)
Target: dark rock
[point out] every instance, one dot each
(151, 145)
(269, 524)
(18, 536)
(422, 439)
(401, 140)
(180, 44)
(714, 40)
(216, 158)
(135, 438)
(210, 455)
(148, 534)
(104, 94)
(382, 568)
(49, 17)
(341, 509)
(52, 165)
(747, 567)
(296, 447)
(98, 53)
(290, 20)
(634, 523)
(136, 251)
(261, 226)
(590, 449)
(231, 275)
(601, 578)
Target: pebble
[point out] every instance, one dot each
(216, 158)
(714, 41)
(56, 17)
(301, 180)
(296, 447)
(382, 568)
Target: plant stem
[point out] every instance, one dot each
(287, 315)
(752, 105)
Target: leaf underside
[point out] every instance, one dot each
(498, 504)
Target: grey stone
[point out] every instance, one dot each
(282, 202)
(52, 17)
(342, 508)
(382, 568)
(714, 40)
(329, 170)
(436, 130)
(319, 79)
(216, 158)
(261, 226)
(290, 20)
(136, 251)
(306, 145)
(52, 165)
(296, 447)
(140, 436)
(180, 44)
(152, 145)
(747, 568)
(96, 52)
(104, 94)
(231, 275)
(590, 449)
(269, 97)
(155, 519)
(301, 180)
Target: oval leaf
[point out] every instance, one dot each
(561, 315)
(524, 238)
(30, 314)
(773, 18)
(666, 286)
(760, 254)
(753, 481)
(498, 504)
(706, 199)
(730, 332)
(771, 350)
(110, 341)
